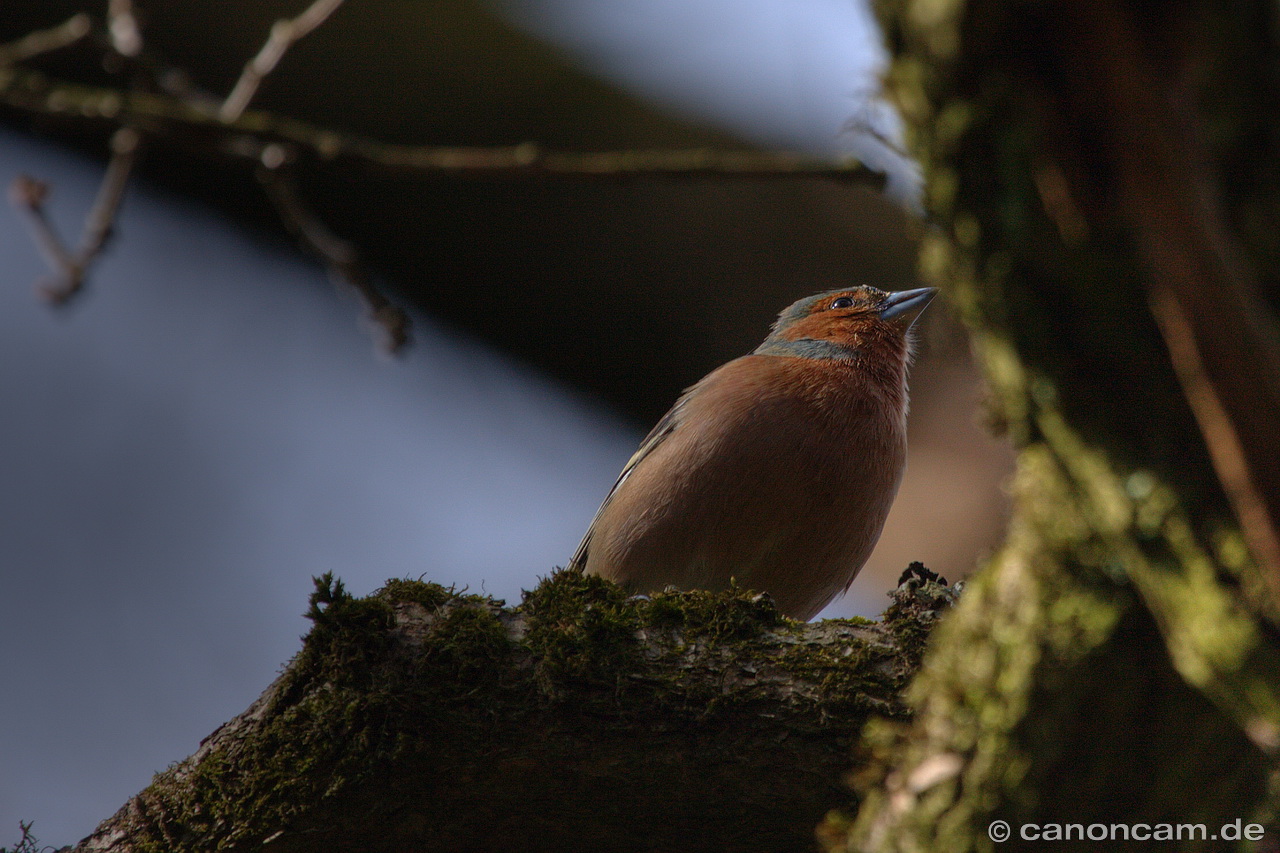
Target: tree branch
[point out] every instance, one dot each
(70, 268)
(46, 41)
(122, 26)
(249, 137)
(420, 718)
(283, 34)
(175, 114)
(340, 255)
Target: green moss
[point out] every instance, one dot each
(429, 595)
(341, 711)
(735, 614)
(388, 687)
(467, 652)
(580, 628)
(920, 600)
(346, 634)
(587, 630)
(846, 674)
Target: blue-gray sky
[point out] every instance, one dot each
(800, 75)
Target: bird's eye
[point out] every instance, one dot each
(842, 302)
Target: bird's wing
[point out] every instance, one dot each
(667, 425)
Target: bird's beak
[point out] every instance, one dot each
(905, 306)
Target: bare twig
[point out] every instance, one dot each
(864, 121)
(1231, 457)
(129, 53)
(179, 114)
(252, 135)
(124, 152)
(340, 255)
(69, 267)
(28, 196)
(283, 34)
(122, 24)
(39, 42)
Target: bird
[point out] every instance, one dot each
(775, 471)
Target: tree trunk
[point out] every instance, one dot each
(1102, 178)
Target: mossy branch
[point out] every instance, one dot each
(422, 718)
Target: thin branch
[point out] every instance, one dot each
(864, 121)
(69, 268)
(39, 42)
(28, 195)
(269, 141)
(252, 135)
(1231, 458)
(128, 54)
(340, 255)
(124, 153)
(283, 34)
(122, 25)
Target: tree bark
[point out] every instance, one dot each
(422, 719)
(1102, 178)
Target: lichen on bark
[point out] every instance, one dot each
(1119, 658)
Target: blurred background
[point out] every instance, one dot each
(208, 425)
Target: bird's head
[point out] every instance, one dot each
(848, 324)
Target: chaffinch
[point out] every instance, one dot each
(777, 469)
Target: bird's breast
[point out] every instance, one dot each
(814, 440)
(780, 474)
